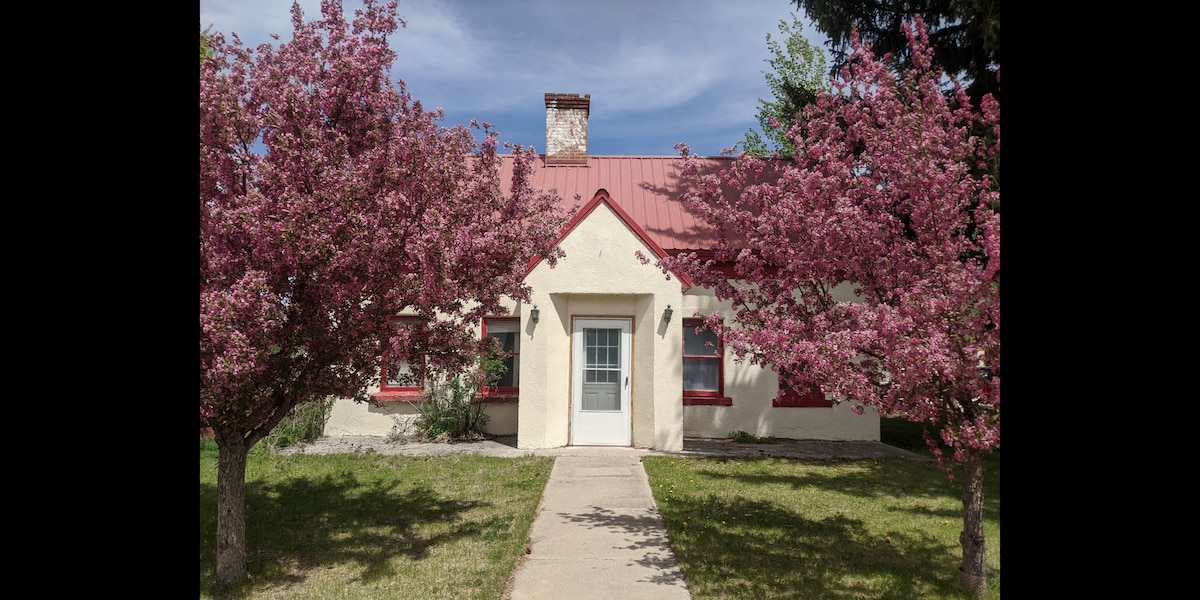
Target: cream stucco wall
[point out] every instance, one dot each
(753, 389)
(354, 418)
(361, 418)
(601, 277)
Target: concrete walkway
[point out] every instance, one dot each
(598, 534)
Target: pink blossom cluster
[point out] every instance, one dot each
(869, 263)
(330, 201)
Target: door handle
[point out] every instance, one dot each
(626, 381)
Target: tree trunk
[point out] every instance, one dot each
(972, 575)
(231, 508)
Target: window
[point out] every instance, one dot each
(703, 365)
(402, 380)
(810, 396)
(507, 332)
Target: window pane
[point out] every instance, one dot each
(400, 374)
(810, 391)
(511, 375)
(506, 332)
(512, 378)
(700, 374)
(704, 343)
(509, 342)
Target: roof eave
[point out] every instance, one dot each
(602, 197)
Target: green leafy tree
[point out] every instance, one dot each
(964, 34)
(797, 74)
(205, 48)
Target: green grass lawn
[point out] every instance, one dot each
(373, 526)
(358, 526)
(779, 528)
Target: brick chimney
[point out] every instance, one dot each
(566, 128)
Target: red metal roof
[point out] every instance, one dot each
(602, 197)
(647, 188)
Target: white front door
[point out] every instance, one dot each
(600, 414)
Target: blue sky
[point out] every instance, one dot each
(659, 71)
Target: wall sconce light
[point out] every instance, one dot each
(534, 314)
(667, 314)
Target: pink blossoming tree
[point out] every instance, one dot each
(869, 264)
(330, 200)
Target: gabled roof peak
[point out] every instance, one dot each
(602, 198)
(649, 189)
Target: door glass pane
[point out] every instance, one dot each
(602, 369)
(601, 401)
(602, 348)
(601, 376)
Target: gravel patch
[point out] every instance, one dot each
(507, 446)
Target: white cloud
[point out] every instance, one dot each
(673, 69)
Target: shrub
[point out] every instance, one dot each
(305, 423)
(448, 409)
(742, 437)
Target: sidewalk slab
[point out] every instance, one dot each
(598, 535)
(599, 532)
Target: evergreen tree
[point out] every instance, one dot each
(964, 34)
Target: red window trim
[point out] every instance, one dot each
(401, 396)
(397, 393)
(690, 399)
(813, 398)
(707, 397)
(499, 394)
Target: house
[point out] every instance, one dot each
(608, 352)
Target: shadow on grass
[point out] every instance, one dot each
(644, 534)
(333, 521)
(835, 557)
(737, 547)
(884, 478)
